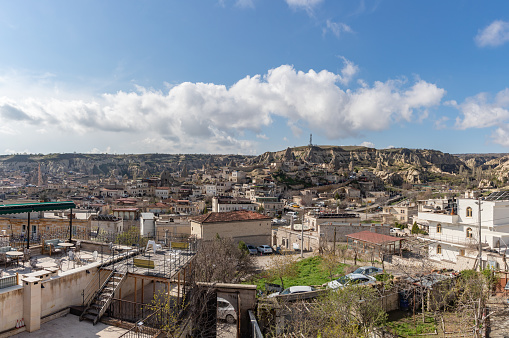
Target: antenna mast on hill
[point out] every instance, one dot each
(310, 140)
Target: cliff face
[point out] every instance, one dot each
(343, 157)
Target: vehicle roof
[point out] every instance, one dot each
(368, 267)
(356, 276)
(300, 288)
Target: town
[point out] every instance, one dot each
(281, 244)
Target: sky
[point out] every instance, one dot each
(249, 76)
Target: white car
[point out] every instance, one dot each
(264, 249)
(367, 270)
(292, 290)
(226, 311)
(351, 279)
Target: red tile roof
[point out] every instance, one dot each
(231, 216)
(373, 237)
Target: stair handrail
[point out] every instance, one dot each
(89, 301)
(107, 303)
(92, 281)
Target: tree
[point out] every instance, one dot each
(220, 260)
(415, 229)
(281, 266)
(349, 312)
(330, 263)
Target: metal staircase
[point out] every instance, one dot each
(102, 297)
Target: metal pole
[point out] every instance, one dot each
(302, 237)
(480, 246)
(70, 227)
(28, 231)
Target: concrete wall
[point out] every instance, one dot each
(65, 290)
(255, 232)
(11, 307)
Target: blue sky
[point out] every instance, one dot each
(248, 76)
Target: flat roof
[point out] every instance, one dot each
(30, 207)
(373, 237)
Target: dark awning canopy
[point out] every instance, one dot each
(30, 207)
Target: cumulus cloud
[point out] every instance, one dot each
(480, 111)
(367, 144)
(336, 28)
(207, 117)
(262, 136)
(501, 136)
(495, 34)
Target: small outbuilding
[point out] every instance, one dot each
(368, 241)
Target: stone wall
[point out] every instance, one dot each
(11, 307)
(327, 230)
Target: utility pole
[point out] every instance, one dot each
(479, 222)
(302, 236)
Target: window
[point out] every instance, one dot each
(469, 212)
(439, 249)
(469, 232)
(439, 228)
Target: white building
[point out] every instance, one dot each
(455, 232)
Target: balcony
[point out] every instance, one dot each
(449, 239)
(438, 217)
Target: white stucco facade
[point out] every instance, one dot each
(453, 235)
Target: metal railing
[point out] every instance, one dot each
(255, 328)
(143, 329)
(8, 281)
(94, 285)
(451, 239)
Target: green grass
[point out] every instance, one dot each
(404, 327)
(310, 272)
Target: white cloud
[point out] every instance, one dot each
(207, 117)
(349, 71)
(440, 123)
(245, 3)
(304, 4)
(501, 135)
(367, 144)
(336, 28)
(495, 34)
(481, 112)
(262, 136)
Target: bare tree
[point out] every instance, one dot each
(220, 260)
(281, 266)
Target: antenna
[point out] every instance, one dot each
(310, 140)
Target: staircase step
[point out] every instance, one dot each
(93, 311)
(89, 317)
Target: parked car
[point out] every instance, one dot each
(351, 279)
(292, 290)
(226, 311)
(252, 249)
(265, 249)
(367, 270)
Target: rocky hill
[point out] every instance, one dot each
(410, 165)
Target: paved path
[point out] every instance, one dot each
(70, 326)
(499, 319)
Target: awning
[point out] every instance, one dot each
(31, 207)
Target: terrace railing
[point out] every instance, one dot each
(8, 281)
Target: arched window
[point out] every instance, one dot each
(439, 228)
(469, 232)
(439, 249)
(469, 212)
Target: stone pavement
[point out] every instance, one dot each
(70, 326)
(499, 319)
